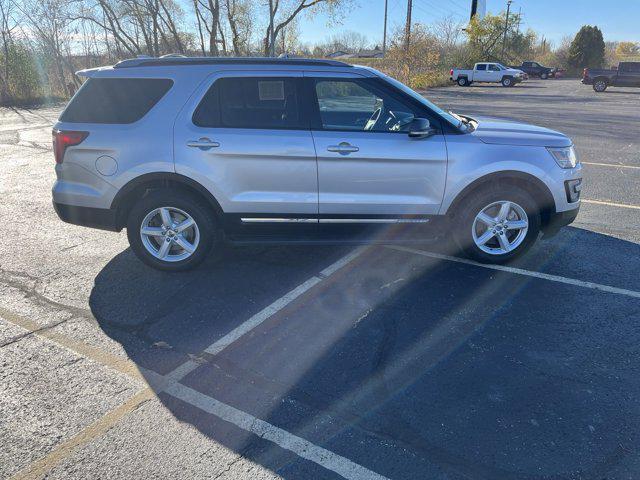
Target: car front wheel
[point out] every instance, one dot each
(507, 82)
(498, 225)
(171, 232)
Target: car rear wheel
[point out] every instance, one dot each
(507, 82)
(171, 232)
(463, 82)
(600, 85)
(497, 225)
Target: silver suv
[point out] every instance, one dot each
(189, 152)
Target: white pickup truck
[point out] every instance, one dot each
(489, 73)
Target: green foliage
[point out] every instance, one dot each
(485, 40)
(587, 49)
(20, 78)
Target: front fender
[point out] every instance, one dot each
(471, 160)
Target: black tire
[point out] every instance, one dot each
(544, 76)
(507, 82)
(463, 82)
(471, 206)
(600, 85)
(209, 233)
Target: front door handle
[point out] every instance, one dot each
(343, 148)
(203, 143)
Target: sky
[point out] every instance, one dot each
(618, 19)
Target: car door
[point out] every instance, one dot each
(494, 73)
(481, 74)
(245, 137)
(368, 166)
(628, 74)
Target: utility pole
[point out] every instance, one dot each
(506, 26)
(519, 18)
(407, 27)
(384, 35)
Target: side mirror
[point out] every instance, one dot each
(420, 128)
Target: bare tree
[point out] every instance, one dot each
(239, 18)
(283, 12)
(50, 22)
(7, 25)
(447, 32)
(208, 16)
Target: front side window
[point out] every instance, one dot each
(250, 102)
(356, 105)
(494, 68)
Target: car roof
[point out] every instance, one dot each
(180, 66)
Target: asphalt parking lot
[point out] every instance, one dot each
(326, 362)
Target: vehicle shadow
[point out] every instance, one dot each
(406, 364)
(627, 92)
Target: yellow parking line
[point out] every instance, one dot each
(40, 467)
(612, 204)
(634, 167)
(98, 355)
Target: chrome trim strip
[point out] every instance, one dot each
(332, 220)
(278, 220)
(374, 220)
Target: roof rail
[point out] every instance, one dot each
(174, 60)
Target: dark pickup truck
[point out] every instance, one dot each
(626, 75)
(534, 69)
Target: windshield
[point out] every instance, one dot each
(501, 67)
(453, 120)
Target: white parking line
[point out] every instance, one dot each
(261, 316)
(521, 271)
(301, 447)
(170, 384)
(612, 204)
(633, 167)
(216, 347)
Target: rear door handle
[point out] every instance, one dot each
(203, 143)
(343, 148)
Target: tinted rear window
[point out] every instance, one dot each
(115, 100)
(269, 103)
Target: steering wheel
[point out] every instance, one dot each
(375, 116)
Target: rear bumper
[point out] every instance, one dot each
(587, 81)
(102, 218)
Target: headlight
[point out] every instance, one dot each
(565, 157)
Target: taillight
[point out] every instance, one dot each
(66, 138)
(585, 73)
(451, 72)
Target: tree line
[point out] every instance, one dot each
(44, 42)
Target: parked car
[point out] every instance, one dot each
(487, 73)
(534, 69)
(626, 75)
(187, 153)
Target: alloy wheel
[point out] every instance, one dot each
(169, 234)
(500, 227)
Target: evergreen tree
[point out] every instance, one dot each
(587, 49)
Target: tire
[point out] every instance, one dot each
(463, 82)
(544, 76)
(507, 82)
(468, 229)
(600, 85)
(201, 236)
